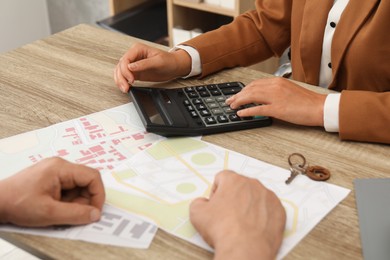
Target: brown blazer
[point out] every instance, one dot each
(360, 54)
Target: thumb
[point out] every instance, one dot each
(74, 213)
(197, 207)
(140, 65)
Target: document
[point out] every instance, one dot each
(166, 177)
(101, 140)
(116, 227)
(147, 175)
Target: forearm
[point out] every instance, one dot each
(250, 38)
(355, 107)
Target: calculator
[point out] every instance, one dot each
(192, 111)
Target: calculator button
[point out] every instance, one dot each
(234, 117)
(217, 111)
(223, 104)
(231, 91)
(212, 87)
(213, 105)
(189, 89)
(190, 108)
(215, 92)
(193, 94)
(229, 85)
(186, 102)
(228, 110)
(204, 113)
(194, 114)
(200, 107)
(222, 119)
(220, 99)
(197, 101)
(210, 120)
(209, 100)
(201, 88)
(204, 93)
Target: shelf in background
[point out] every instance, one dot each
(207, 8)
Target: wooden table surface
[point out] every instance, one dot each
(70, 74)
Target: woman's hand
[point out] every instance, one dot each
(281, 99)
(142, 62)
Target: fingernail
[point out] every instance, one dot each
(131, 66)
(95, 215)
(123, 88)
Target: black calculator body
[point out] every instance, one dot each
(192, 111)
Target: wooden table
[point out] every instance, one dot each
(70, 74)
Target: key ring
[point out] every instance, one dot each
(316, 172)
(302, 165)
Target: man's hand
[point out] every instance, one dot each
(52, 192)
(241, 219)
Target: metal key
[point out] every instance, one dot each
(294, 173)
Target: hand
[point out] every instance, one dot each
(52, 192)
(142, 62)
(281, 99)
(241, 219)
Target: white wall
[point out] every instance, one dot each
(67, 13)
(21, 22)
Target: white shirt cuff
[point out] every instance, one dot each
(196, 67)
(331, 112)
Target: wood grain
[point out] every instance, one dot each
(70, 74)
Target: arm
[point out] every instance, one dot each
(241, 219)
(364, 116)
(252, 37)
(52, 192)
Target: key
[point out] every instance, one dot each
(316, 173)
(294, 173)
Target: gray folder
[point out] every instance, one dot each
(373, 204)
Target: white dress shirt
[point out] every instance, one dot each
(331, 106)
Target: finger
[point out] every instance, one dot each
(124, 70)
(121, 81)
(143, 65)
(197, 210)
(74, 175)
(260, 110)
(73, 213)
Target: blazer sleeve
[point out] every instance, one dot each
(252, 37)
(364, 116)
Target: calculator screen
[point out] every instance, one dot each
(150, 108)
